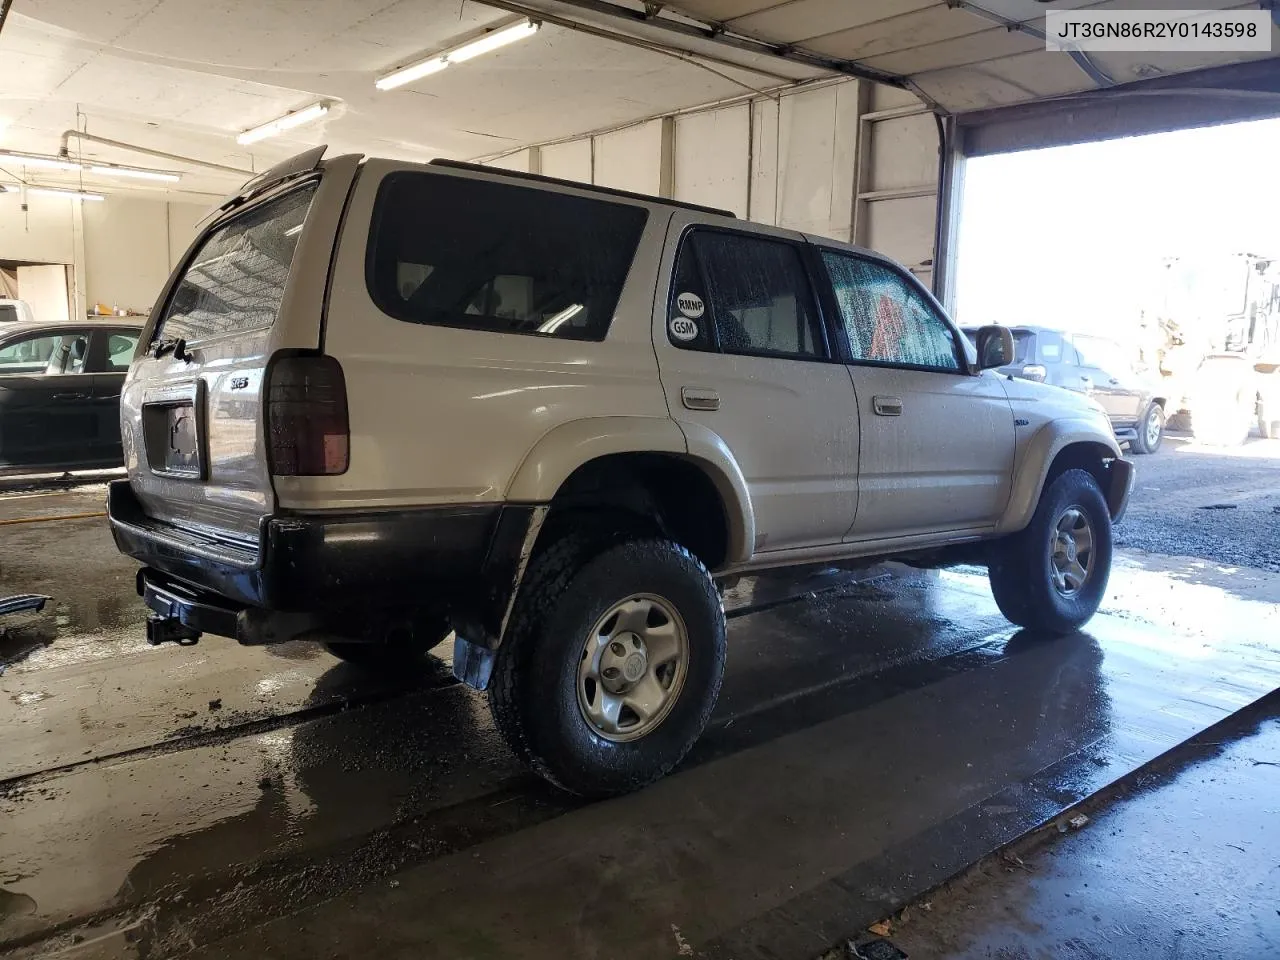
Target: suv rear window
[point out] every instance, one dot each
(235, 282)
(456, 252)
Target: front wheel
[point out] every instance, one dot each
(1052, 575)
(1150, 430)
(612, 664)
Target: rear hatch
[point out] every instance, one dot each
(249, 292)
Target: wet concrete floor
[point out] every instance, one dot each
(1186, 865)
(872, 739)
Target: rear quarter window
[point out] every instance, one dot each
(458, 252)
(235, 281)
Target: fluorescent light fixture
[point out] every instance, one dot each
(492, 41)
(415, 71)
(38, 160)
(459, 54)
(73, 194)
(137, 173)
(279, 125)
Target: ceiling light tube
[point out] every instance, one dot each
(73, 194)
(459, 54)
(415, 71)
(279, 125)
(137, 173)
(38, 160)
(492, 41)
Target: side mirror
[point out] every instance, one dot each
(995, 347)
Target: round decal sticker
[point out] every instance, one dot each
(684, 329)
(690, 304)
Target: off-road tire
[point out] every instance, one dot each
(533, 691)
(1020, 566)
(1141, 445)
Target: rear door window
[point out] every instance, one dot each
(458, 252)
(743, 294)
(236, 280)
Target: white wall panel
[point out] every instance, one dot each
(712, 158)
(522, 162)
(43, 233)
(568, 161)
(183, 218)
(126, 247)
(903, 229)
(631, 159)
(818, 134)
(764, 161)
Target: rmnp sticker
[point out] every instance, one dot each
(684, 329)
(690, 305)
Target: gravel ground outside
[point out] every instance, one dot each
(1218, 504)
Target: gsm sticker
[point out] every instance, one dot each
(684, 329)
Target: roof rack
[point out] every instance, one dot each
(592, 188)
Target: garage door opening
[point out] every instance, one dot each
(1137, 269)
(1145, 273)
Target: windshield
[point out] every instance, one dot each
(236, 280)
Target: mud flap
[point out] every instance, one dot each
(472, 663)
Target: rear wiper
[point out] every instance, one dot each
(175, 345)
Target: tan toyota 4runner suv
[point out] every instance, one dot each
(379, 402)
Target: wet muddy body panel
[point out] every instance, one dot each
(875, 734)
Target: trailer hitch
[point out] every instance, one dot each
(170, 630)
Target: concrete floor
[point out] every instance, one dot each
(1188, 865)
(871, 741)
(1217, 503)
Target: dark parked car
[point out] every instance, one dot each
(60, 394)
(1097, 367)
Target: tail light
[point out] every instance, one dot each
(1034, 372)
(308, 433)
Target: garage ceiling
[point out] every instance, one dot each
(185, 76)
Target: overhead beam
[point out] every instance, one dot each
(719, 34)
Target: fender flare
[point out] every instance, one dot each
(1036, 459)
(565, 448)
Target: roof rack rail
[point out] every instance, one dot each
(607, 191)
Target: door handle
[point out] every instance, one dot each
(887, 406)
(695, 398)
(71, 396)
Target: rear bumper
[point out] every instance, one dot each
(322, 564)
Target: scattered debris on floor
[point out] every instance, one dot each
(881, 928)
(1220, 506)
(1078, 821)
(874, 950)
(682, 945)
(215, 705)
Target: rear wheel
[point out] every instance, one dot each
(612, 663)
(1150, 430)
(1052, 575)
